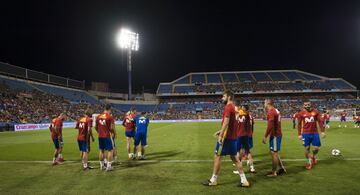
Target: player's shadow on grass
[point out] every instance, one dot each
(151, 158)
(164, 154)
(135, 163)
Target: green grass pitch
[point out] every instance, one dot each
(25, 166)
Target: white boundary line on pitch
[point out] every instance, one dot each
(178, 161)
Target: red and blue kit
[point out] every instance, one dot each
(274, 129)
(83, 125)
(230, 142)
(104, 122)
(307, 126)
(56, 136)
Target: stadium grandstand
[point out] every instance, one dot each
(197, 95)
(29, 96)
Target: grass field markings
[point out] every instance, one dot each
(179, 161)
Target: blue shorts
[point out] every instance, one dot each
(251, 144)
(83, 145)
(343, 120)
(313, 139)
(243, 143)
(130, 134)
(105, 143)
(275, 144)
(140, 137)
(58, 143)
(229, 147)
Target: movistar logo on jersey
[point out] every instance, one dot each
(309, 120)
(142, 120)
(241, 119)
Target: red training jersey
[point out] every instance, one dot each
(243, 124)
(129, 122)
(273, 123)
(104, 122)
(83, 125)
(307, 122)
(56, 123)
(323, 117)
(229, 112)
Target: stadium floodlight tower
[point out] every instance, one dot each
(129, 41)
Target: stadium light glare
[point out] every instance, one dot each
(127, 39)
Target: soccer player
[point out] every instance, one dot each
(250, 161)
(105, 126)
(327, 119)
(343, 118)
(294, 117)
(226, 142)
(56, 135)
(308, 132)
(243, 132)
(84, 125)
(142, 123)
(129, 125)
(357, 121)
(273, 131)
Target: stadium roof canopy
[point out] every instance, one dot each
(285, 80)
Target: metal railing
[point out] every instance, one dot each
(20, 72)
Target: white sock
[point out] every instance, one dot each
(109, 164)
(252, 167)
(213, 178)
(243, 178)
(60, 155)
(139, 154)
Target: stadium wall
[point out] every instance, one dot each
(30, 127)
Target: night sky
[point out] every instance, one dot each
(76, 39)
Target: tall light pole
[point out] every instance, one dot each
(129, 41)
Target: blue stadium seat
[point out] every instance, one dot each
(340, 84)
(197, 78)
(16, 84)
(213, 78)
(165, 88)
(277, 76)
(229, 78)
(185, 80)
(72, 95)
(260, 76)
(245, 77)
(183, 89)
(293, 76)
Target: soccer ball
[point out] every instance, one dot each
(335, 152)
